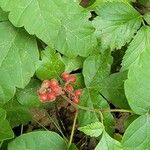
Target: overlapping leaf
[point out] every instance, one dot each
(95, 69)
(51, 65)
(5, 129)
(137, 59)
(108, 143)
(63, 25)
(113, 89)
(17, 114)
(28, 96)
(46, 140)
(18, 58)
(137, 135)
(116, 24)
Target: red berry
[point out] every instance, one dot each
(69, 88)
(78, 92)
(51, 96)
(57, 90)
(72, 78)
(53, 83)
(65, 76)
(75, 100)
(43, 97)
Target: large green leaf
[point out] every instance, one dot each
(95, 69)
(108, 143)
(63, 25)
(113, 89)
(137, 135)
(116, 24)
(38, 140)
(28, 96)
(93, 129)
(51, 65)
(5, 129)
(137, 59)
(17, 114)
(18, 58)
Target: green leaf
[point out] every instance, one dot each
(51, 65)
(137, 135)
(113, 89)
(88, 98)
(93, 100)
(137, 47)
(28, 96)
(3, 15)
(129, 120)
(63, 25)
(137, 59)
(116, 24)
(108, 143)
(95, 69)
(18, 58)
(5, 129)
(72, 64)
(17, 114)
(93, 129)
(46, 140)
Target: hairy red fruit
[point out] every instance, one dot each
(53, 83)
(72, 78)
(45, 84)
(43, 97)
(78, 92)
(65, 76)
(75, 100)
(51, 96)
(57, 90)
(69, 88)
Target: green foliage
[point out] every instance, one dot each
(5, 129)
(39, 40)
(116, 24)
(38, 140)
(137, 135)
(108, 143)
(94, 129)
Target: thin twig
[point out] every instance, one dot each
(73, 129)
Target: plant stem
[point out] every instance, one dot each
(21, 132)
(73, 129)
(117, 110)
(40, 124)
(95, 110)
(55, 124)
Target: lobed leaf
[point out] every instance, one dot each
(18, 58)
(93, 129)
(116, 24)
(63, 25)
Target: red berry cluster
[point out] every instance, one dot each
(74, 95)
(51, 89)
